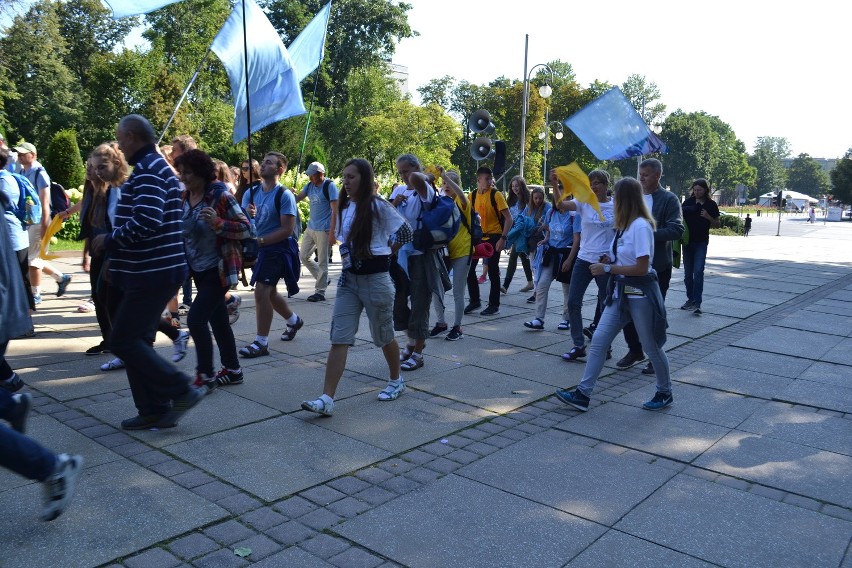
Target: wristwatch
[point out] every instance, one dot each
(607, 268)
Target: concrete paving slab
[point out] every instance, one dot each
(820, 395)
(470, 350)
(484, 388)
(703, 404)
(454, 529)
(842, 295)
(293, 556)
(804, 470)
(828, 373)
(75, 379)
(119, 508)
(219, 411)
(759, 361)
(659, 433)
(548, 468)
(521, 336)
(729, 379)
(303, 455)
(394, 426)
(801, 425)
(733, 528)
(537, 366)
(763, 296)
(840, 353)
(619, 550)
(369, 360)
(58, 438)
(689, 325)
(820, 322)
(731, 307)
(786, 341)
(284, 387)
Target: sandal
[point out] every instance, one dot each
(290, 333)
(405, 354)
(113, 365)
(535, 324)
(412, 363)
(574, 354)
(319, 406)
(563, 325)
(254, 349)
(394, 389)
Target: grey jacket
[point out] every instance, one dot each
(669, 218)
(650, 286)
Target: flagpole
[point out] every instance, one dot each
(308, 123)
(248, 105)
(183, 96)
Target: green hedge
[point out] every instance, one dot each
(63, 161)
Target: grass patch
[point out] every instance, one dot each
(67, 245)
(724, 231)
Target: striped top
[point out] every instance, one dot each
(145, 249)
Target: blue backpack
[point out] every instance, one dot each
(26, 214)
(437, 225)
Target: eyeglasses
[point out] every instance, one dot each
(245, 168)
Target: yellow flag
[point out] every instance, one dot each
(575, 181)
(54, 227)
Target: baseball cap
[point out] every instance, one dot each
(315, 167)
(25, 148)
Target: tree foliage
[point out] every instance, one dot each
(806, 176)
(841, 179)
(766, 160)
(62, 160)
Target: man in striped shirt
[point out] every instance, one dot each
(145, 258)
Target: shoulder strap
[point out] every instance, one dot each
(279, 195)
(325, 185)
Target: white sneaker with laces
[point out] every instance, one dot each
(59, 487)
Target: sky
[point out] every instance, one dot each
(766, 68)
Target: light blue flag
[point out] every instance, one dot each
(612, 129)
(124, 8)
(307, 49)
(274, 92)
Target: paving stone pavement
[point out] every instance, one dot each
(477, 464)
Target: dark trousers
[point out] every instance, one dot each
(154, 382)
(493, 280)
(100, 296)
(187, 291)
(24, 263)
(513, 265)
(631, 336)
(19, 453)
(209, 307)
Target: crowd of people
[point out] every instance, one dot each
(160, 219)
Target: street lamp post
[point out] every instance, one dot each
(546, 135)
(544, 91)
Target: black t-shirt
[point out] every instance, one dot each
(699, 227)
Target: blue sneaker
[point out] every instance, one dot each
(63, 285)
(660, 401)
(573, 398)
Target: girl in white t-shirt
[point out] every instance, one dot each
(364, 231)
(633, 293)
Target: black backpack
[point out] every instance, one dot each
(59, 201)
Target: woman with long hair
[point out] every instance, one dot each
(518, 200)
(700, 213)
(243, 182)
(367, 224)
(633, 293)
(223, 175)
(213, 226)
(537, 210)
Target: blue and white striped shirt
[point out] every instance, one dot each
(146, 247)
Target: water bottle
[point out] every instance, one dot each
(30, 217)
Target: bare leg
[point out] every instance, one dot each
(391, 353)
(334, 365)
(263, 303)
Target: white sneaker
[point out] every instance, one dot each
(59, 487)
(113, 365)
(180, 346)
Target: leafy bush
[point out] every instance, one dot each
(71, 228)
(63, 161)
(735, 224)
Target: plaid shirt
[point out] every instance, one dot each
(231, 227)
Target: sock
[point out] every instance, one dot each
(261, 339)
(326, 399)
(237, 370)
(35, 290)
(397, 381)
(57, 277)
(293, 320)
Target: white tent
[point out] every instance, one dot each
(794, 199)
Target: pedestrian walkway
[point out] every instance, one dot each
(477, 464)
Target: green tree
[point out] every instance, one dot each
(33, 50)
(437, 91)
(841, 179)
(62, 159)
(693, 147)
(766, 160)
(645, 98)
(730, 166)
(806, 176)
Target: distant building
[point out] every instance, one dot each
(400, 74)
(827, 164)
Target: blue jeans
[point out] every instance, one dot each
(209, 307)
(19, 453)
(694, 255)
(640, 311)
(154, 382)
(581, 277)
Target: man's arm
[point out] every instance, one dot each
(288, 223)
(670, 224)
(302, 194)
(332, 228)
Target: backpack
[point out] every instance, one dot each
(59, 201)
(475, 227)
(492, 194)
(437, 226)
(27, 213)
